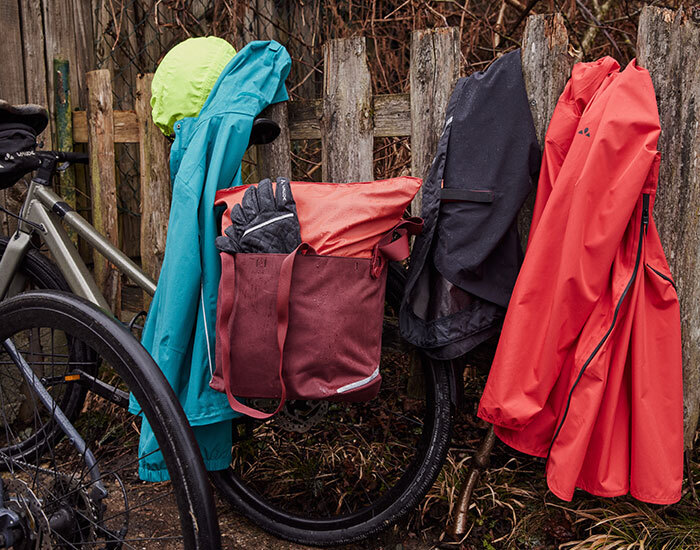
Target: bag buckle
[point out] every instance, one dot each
(377, 263)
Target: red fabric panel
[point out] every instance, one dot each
(346, 219)
(334, 334)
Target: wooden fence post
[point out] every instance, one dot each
(434, 71)
(12, 85)
(347, 127)
(668, 46)
(267, 20)
(12, 89)
(103, 179)
(154, 173)
(275, 159)
(35, 66)
(546, 68)
(64, 131)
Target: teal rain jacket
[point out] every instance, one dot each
(179, 331)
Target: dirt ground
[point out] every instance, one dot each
(239, 533)
(511, 509)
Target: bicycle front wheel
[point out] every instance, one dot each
(70, 481)
(325, 473)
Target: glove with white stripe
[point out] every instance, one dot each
(265, 222)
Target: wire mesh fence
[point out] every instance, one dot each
(133, 35)
(131, 38)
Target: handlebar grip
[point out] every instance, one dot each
(73, 158)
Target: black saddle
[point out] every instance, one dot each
(34, 116)
(19, 127)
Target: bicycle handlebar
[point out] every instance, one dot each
(49, 161)
(73, 158)
(63, 156)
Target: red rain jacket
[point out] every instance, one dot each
(588, 367)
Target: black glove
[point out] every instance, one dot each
(263, 223)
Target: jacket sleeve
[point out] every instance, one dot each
(173, 312)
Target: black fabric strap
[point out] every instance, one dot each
(470, 195)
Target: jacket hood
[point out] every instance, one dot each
(185, 77)
(251, 81)
(227, 95)
(586, 79)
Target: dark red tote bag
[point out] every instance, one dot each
(303, 325)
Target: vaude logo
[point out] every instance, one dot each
(19, 154)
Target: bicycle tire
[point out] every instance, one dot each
(66, 314)
(40, 272)
(392, 505)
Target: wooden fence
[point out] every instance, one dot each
(347, 118)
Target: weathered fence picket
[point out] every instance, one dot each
(669, 47)
(103, 180)
(546, 68)
(275, 159)
(347, 127)
(154, 173)
(433, 74)
(34, 52)
(64, 131)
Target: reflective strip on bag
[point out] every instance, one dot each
(359, 383)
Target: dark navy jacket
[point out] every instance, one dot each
(464, 265)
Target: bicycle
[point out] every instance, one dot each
(318, 473)
(68, 458)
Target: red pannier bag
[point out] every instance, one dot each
(308, 325)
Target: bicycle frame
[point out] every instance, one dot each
(43, 213)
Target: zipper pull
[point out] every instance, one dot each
(645, 211)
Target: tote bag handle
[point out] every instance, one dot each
(283, 293)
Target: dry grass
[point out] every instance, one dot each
(513, 509)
